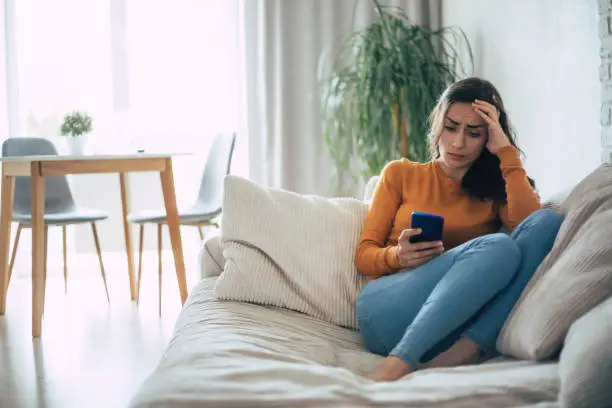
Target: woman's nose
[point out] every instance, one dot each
(459, 141)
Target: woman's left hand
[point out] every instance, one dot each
(497, 137)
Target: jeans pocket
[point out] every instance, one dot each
(371, 337)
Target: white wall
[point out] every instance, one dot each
(543, 55)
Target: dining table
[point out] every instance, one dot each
(39, 167)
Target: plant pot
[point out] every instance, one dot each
(76, 145)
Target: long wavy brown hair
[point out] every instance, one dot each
(484, 178)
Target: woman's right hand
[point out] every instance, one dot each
(411, 255)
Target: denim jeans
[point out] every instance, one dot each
(467, 291)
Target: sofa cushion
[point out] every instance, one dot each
(585, 365)
(574, 277)
(370, 187)
(290, 250)
(240, 355)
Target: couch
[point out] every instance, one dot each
(270, 322)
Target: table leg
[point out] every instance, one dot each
(172, 218)
(125, 208)
(37, 188)
(44, 287)
(6, 214)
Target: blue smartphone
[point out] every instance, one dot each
(432, 227)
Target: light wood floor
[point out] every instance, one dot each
(91, 354)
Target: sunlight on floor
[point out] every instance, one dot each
(91, 353)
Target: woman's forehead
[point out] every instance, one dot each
(464, 113)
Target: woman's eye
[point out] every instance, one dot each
(449, 128)
(475, 134)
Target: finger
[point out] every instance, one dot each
(409, 256)
(418, 262)
(408, 232)
(419, 246)
(483, 115)
(485, 104)
(427, 253)
(487, 107)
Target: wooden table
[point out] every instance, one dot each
(37, 168)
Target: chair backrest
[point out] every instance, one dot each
(218, 163)
(58, 197)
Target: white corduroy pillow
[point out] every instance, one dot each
(290, 250)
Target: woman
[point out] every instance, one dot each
(435, 304)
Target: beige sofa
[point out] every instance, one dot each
(255, 352)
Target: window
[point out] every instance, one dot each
(158, 75)
(63, 62)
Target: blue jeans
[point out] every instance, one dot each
(467, 291)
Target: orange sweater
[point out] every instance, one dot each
(406, 186)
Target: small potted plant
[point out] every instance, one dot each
(76, 126)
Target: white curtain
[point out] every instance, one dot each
(285, 40)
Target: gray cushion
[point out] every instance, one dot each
(76, 216)
(585, 364)
(573, 278)
(192, 215)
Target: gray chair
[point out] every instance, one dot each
(60, 208)
(204, 211)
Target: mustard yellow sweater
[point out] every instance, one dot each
(406, 186)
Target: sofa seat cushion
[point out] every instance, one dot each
(232, 354)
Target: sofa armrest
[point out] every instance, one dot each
(211, 259)
(370, 187)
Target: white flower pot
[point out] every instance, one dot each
(76, 145)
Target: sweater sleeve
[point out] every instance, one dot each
(522, 199)
(372, 256)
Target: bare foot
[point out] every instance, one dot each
(464, 351)
(390, 369)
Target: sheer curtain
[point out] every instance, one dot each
(286, 40)
(158, 75)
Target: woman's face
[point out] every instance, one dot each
(463, 138)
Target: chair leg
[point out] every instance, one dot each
(201, 233)
(65, 260)
(159, 261)
(140, 246)
(13, 255)
(44, 288)
(97, 242)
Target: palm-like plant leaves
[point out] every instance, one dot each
(389, 73)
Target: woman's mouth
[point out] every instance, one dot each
(455, 156)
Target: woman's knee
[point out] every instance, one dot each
(542, 225)
(502, 244)
(545, 217)
(504, 252)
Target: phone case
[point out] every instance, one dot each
(432, 227)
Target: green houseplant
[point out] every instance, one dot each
(76, 126)
(385, 82)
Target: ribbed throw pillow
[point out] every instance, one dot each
(290, 250)
(574, 277)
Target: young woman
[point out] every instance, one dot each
(434, 304)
